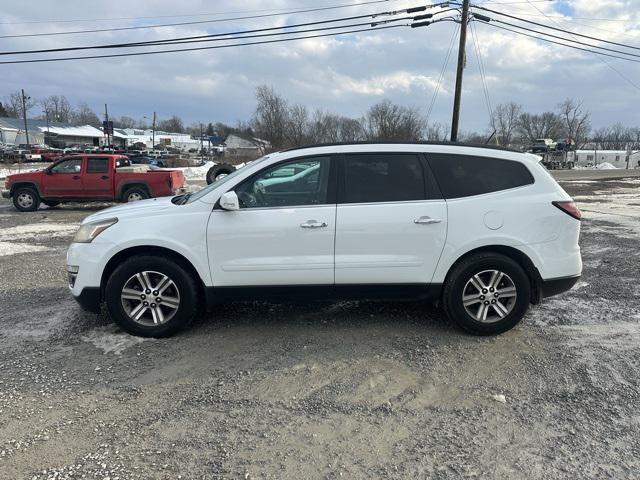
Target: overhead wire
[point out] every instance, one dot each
(191, 49)
(442, 72)
(198, 22)
(210, 36)
(483, 76)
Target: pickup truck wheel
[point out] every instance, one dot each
(486, 294)
(134, 194)
(151, 296)
(219, 171)
(26, 199)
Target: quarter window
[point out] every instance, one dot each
(97, 165)
(465, 176)
(73, 165)
(295, 183)
(383, 177)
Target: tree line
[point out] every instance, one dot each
(287, 125)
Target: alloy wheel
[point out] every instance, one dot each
(134, 197)
(150, 298)
(489, 296)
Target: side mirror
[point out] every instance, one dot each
(229, 201)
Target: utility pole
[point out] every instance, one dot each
(24, 114)
(106, 125)
(153, 132)
(201, 146)
(461, 61)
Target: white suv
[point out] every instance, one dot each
(486, 231)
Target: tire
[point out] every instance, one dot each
(219, 170)
(504, 310)
(26, 199)
(178, 301)
(134, 194)
(51, 203)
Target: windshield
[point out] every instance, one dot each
(201, 193)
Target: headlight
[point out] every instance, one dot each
(87, 232)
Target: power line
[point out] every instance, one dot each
(210, 36)
(560, 43)
(199, 22)
(557, 29)
(483, 76)
(611, 67)
(223, 39)
(442, 72)
(565, 39)
(192, 49)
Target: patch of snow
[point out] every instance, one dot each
(197, 173)
(110, 339)
(605, 166)
(10, 248)
(499, 398)
(38, 231)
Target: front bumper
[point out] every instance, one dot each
(89, 299)
(6, 193)
(554, 286)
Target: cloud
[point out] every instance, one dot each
(344, 74)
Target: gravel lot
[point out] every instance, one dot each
(351, 390)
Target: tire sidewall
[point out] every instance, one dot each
(30, 191)
(143, 193)
(184, 282)
(465, 271)
(217, 170)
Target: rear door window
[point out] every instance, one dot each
(97, 165)
(383, 177)
(465, 175)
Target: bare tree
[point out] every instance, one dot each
(84, 115)
(297, 128)
(575, 121)
(172, 125)
(616, 137)
(271, 117)
(505, 121)
(437, 132)
(13, 104)
(57, 108)
(124, 122)
(386, 121)
(544, 125)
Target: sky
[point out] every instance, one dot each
(344, 74)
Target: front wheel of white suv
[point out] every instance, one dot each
(151, 296)
(486, 294)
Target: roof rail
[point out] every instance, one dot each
(454, 144)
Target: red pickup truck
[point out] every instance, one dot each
(90, 177)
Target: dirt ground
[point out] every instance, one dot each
(342, 390)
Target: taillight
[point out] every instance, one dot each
(569, 207)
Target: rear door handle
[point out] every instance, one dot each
(313, 224)
(104, 177)
(76, 177)
(426, 220)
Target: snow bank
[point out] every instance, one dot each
(605, 166)
(196, 173)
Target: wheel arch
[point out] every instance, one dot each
(124, 186)
(23, 184)
(148, 250)
(514, 254)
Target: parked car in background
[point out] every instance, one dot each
(89, 178)
(486, 231)
(146, 160)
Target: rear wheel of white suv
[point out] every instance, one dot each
(151, 296)
(486, 293)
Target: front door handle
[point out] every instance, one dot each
(313, 224)
(76, 177)
(426, 220)
(104, 177)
